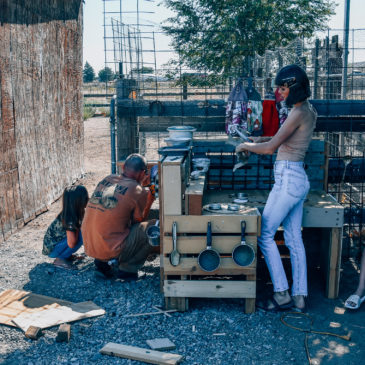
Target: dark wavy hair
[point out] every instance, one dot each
(74, 201)
(295, 78)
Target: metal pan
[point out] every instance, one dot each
(243, 254)
(209, 259)
(153, 234)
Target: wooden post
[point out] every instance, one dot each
(250, 302)
(126, 119)
(331, 251)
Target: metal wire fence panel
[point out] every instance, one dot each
(138, 50)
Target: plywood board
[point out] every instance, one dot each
(320, 209)
(220, 223)
(195, 244)
(140, 354)
(210, 289)
(189, 266)
(172, 193)
(23, 309)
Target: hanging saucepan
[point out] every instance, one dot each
(209, 259)
(243, 254)
(153, 234)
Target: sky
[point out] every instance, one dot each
(93, 45)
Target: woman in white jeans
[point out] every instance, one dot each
(285, 202)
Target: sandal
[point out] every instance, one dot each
(301, 310)
(277, 307)
(63, 264)
(354, 299)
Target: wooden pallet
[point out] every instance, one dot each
(188, 280)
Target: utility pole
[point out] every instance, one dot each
(346, 48)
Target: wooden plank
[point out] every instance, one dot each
(189, 266)
(179, 304)
(172, 185)
(216, 107)
(216, 123)
(334, 262)
(220, 223)
(210, 288)
(250, 303)
(320, 209)
(195, 244)
(140, 354)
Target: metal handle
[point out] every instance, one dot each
(243, 232)
(209, 235)
(174, 229)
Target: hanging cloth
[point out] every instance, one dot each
(254, 112)
(270, 118)
(236, 109)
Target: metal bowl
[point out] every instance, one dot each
(233, 207)
(215, 206)
(240, 201)
(181, 131)
(178, 142)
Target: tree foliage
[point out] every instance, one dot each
(106, 74)
(217, 35)
(88, 73)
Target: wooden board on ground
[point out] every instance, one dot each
(23, 309)
(140, 354)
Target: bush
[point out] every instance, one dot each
(89, 112)
(105, 112)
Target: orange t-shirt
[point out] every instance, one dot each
(116, 204)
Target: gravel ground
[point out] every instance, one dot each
(211, 332)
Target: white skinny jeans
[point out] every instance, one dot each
(285, 205)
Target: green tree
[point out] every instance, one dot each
(106, 74)
(218, 35)
(88, 73)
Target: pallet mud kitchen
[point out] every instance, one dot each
(210, 220)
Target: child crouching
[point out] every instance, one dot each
(63, 237)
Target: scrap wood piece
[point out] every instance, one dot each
(14, 302)
(159, 311)
(53, 316)
(33, 332)
(161, 344)
(140, 354)
(64, 333)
